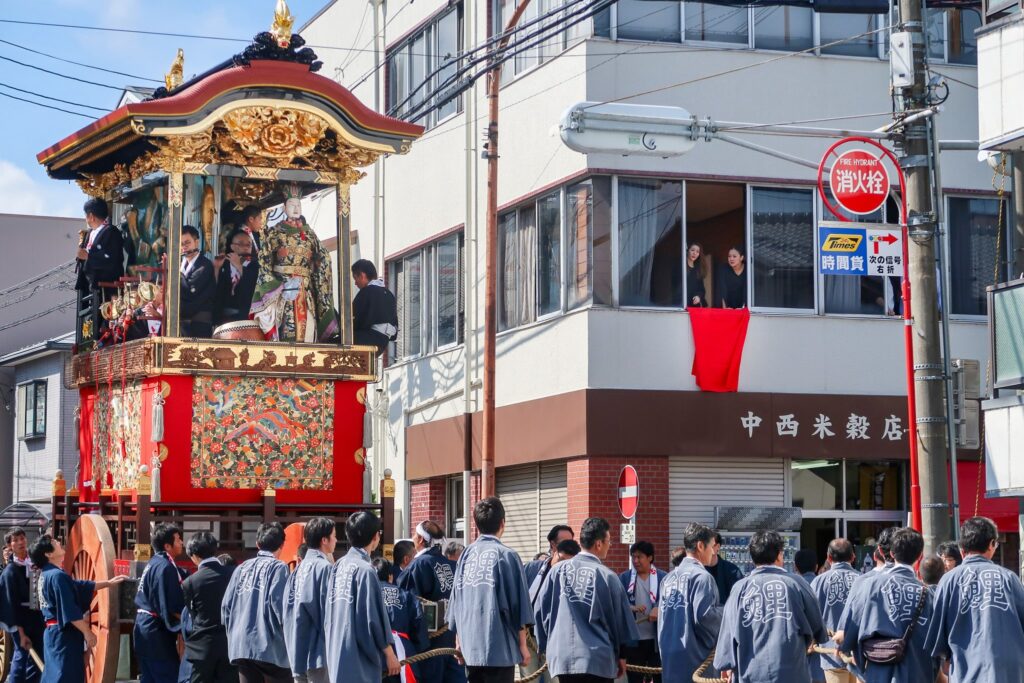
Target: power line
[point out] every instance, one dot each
(70, 78)
(40, 314)
(46, 106)
(55, 99)
(36, 278)
(87, 66)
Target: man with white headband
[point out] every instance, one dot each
(430, 576)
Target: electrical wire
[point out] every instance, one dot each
(82, 64)
(46, 106)
(72, 78)
(36, 278)
(40, 314)
(55, 99)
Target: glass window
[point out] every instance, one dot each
(935, 30)
(782, 242)
(398, 79)
(413, 272)
(817, 484)
(447, 291)
(835, 27)
(517, 255)
(527, 59)
(410, 65)
(874, 485)
(977, 252)
(783, 28)
(854, 294)
(32, 410)
(603, 23)
(715, 23)
(963, 46)
(447, 49)
(549, 272)
(650, 242)
(579, 201)
(648, 20)
(418, 69)
(456, 508)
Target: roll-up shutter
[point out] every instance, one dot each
(697, 485)
(553, 500)
(518, 490)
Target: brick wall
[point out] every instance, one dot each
(427, 499)
(592, 491)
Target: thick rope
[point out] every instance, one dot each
(451, 651)
(832, 652)
(698, 675)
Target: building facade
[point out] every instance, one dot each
(595, 347)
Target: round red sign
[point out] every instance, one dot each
(629, 492)
(859, 181)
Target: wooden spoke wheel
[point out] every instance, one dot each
(293, 538)
(6, 653)
(90, 557)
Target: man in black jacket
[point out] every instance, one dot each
(197, 287)
(206, 645)
(236, 279)
(374, 310)
(101, 259)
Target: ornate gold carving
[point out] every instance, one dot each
(267, 359)
(175, 190)
(388, 488)
(361, 396)
(344, 199)
(162, 452)
(143, 552)
(274, 132)
(176, 75)
(281, 29)
(360, 456)
(165, 390)
(261, 172)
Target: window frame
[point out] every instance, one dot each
(34, 388)
(436, 283)
(948, 264)
(751, 257)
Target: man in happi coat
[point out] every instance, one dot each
(490, 608)
(537, 570)
(832, 590)
(892, 603)
(360, 646)
(690, 615)
(159, 602)
(64, 602)
(979, 613)
(769, 622)
(882, 560)
(24, 623)
(294, 298)
(305, 598)
(252, 612)
(583, 618)
(430, 576)
(407, 626)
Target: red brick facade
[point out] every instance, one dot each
(427, 500)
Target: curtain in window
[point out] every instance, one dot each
(579, 211)
(639, 232)
(517, 241)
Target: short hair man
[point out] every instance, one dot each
(403, 553)
(453, 550)
(160, 602)
(490, 607)
(770, 620)
(678, 555)
(725, 572)
(536, 570)
(406, 616)
(252, 611)
(567, 550)
(236, 273)
(690, 615)
(101, 256)
(643, 585)
(891, 604)
(252, 221)
(979, 612)
(805, 562)
(197, 286)
(25, 624)
(584, 619)
(303, 605)
(374, 309)
(950, 554)
(206, 644)
(360, 645)
(932, 569)
(831, 589)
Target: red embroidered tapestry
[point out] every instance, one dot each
(718, 337)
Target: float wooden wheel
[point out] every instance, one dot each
(6, 653)
(293, 538)
(90, 557)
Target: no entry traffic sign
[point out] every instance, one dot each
(629, 492)
(859, 181)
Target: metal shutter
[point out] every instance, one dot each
(517, 488)
(697, 485)
(553, 500)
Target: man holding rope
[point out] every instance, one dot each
(832, 590)
(304, 593)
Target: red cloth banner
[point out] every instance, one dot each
(718, 338)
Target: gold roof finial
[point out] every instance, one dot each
(176, 75)
(281, 29)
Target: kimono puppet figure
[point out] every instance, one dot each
(584, 619)
(64, 602)
(206, 641)
(689, 614)
(24, 623)
(770, 620)
(159, 602)
(294, 299)
(892, 603)
(832, 590)
(251, 612)
(407, 625)
(643, 583)
(490, 608)
(360, 646)
(304, 602)
(430, 576)
(978, 623)
(537, 570)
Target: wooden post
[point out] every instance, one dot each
(143, 551)
(59, 493)
(345, 262)
(387, 515)
(269, 505)
(172, 280)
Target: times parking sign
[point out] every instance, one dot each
(859, 249)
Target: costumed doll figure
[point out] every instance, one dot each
(294, 299)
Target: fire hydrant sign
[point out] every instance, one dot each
(859, 249)
(859, 181)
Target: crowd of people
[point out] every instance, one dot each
(954, 616)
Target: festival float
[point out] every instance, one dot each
(265, 420)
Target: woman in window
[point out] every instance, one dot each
(695, 275)
(732, 285)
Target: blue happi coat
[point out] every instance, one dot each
(406, 617)
(15, 611)
(430, 576)
(884, 608)
(159, 602)
(62, 601)
(356, 622)
(304, 607)
(490, 604)
(831, 589)
(689, 618)
(583, 618)
(979, 623)
(770, 620)
(252, 611)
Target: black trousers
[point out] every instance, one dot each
(644, 654)
(583, 678)
(490, 674)
(252, 671)
(213, 669)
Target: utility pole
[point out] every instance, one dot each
(921, 225)
(1015, 270)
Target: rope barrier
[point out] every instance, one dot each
(698, 675)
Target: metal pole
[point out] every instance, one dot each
(469, 261)
(930, 421)
(490, 308)
(1015, 270)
